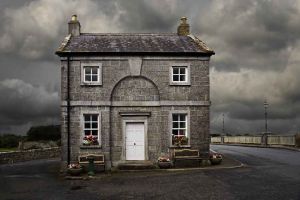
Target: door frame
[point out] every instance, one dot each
(124, 121)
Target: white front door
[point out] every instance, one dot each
(135, 141)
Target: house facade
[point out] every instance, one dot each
(133, 97)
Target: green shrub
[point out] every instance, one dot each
(10, 140)
(44, 133)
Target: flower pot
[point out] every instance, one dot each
(74, 171)
(164, 165)
(216, 161)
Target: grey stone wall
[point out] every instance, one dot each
(34, 154)
(135, 89)
(76, 132)
(158, 137)
(118, 85)
(114, 71)
(159, 130)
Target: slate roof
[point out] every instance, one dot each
(134, 44)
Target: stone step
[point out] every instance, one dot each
(137, 165)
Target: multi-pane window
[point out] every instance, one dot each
(91, 125)
(179, 74)
(91, 74)
(179, 129)
(179, 124)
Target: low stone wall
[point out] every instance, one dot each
(34, 154)
(265, 140)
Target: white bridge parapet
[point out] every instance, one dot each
(284, 140)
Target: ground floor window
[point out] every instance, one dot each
(179, 129)
(91, 129)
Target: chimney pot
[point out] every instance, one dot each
(74, 26)
(183, 20)
(183, 28)
(74, 17)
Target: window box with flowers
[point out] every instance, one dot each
(180, 140)
(90, 140)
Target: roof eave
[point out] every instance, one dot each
(69, 53)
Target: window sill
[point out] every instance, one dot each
(91, 84)
(181, 146)
(90, 147)
(180, 84)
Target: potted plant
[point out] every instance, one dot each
(179, 140)
(90, 140)
(164, 162)
(74, 169)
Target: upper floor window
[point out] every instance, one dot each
(91, 73)
(180, 74)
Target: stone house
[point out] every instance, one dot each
(133, 96)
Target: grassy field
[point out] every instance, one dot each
(8, 149)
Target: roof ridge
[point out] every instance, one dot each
(117, 34)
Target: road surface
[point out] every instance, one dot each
(269, 174)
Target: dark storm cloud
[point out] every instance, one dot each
(257, 58)
(251, 34)
(149, 16)
(22, 102)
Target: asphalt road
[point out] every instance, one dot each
(269, 174)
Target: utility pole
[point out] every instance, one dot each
(266, 116)
(223, 129)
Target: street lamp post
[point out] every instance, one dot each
(266, 116)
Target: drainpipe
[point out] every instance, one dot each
(68, 108)
(110, 134)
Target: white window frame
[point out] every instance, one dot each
(186, 67)
(187, 125)
(178, 123)
(98, 128)
(84, 65)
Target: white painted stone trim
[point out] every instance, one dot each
(135, 65)
(188, 73)
(92, 64)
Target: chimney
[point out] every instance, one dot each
(74, 26)
(184, 27)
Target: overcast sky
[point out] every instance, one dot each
(257, 47)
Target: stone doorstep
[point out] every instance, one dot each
(136, 165)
